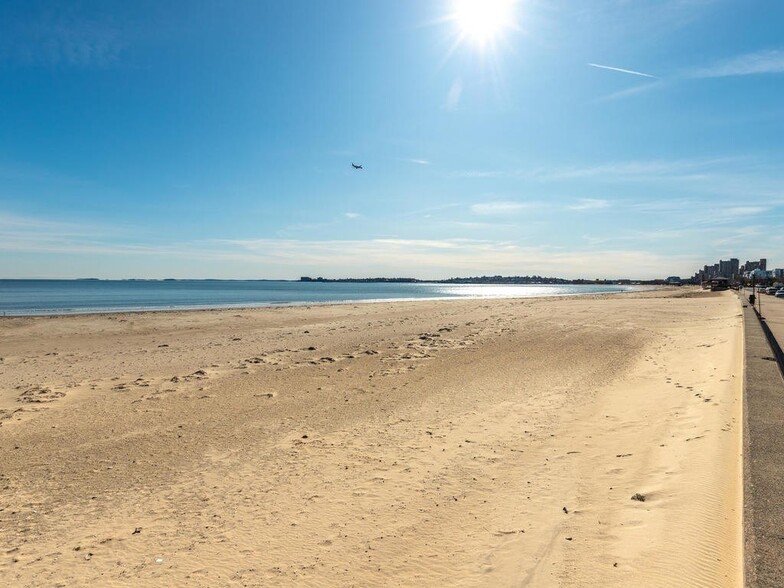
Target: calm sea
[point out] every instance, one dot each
(37, 297)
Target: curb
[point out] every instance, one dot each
(774, 345)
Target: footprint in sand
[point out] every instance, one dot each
(197, 375)
(39, 394)
(7, 414)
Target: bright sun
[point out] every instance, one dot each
(483, 21)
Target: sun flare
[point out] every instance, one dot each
(483, 21)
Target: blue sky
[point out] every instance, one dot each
(214, 139)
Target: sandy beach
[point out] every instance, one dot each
(582, 441)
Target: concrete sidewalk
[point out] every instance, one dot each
(763, 447)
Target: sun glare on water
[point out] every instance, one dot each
(483, 22)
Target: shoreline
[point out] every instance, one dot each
(294, 304)
(480, 442)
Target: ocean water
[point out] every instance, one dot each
(43, 297)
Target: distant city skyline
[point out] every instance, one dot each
(209, 140)
(734, 271)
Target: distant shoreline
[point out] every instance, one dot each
(524, 280)
(499, 280)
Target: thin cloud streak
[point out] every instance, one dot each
(750, 177)
(589, 204)
(633, 91)
(660, 15)
(454, 95)
(481, 174)
(502, 207)
(33, 227)
(621, 70)
(641, 170)
(478, 226)
(760, 62)
(633, 169)
(746, 210)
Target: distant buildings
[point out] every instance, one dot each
(733, 271)
(729, 269)
(749, 266)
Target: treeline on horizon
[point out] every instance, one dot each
(485, 280)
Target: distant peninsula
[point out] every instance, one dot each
(488, 280)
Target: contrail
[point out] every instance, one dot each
(628, 71)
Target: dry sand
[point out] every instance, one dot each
(439, 443)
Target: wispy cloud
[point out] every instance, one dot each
(636, 169)
(589, 204)
(761, 62)
(33, 228)
(454, 95)
(591, 240)
(472, 173)
(638, 16)
(745, 210)
(478, 225)
(740, 236)
(614, 170)
(24, 172)
(621, 70)
(59, 39)
(661, 206)
(341, 152)
(428, 211)
(415, 160)
(286, 258)
(709, 219)
(633, 91)
(499, 207)
(351, 215)
(767, 61)
(752, 176)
